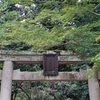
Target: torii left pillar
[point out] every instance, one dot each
(6, 83)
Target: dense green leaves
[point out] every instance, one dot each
(96, 61)
(50, 26)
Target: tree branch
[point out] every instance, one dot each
(24, 92)
(97, 14)
(97, 5)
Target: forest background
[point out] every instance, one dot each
(33, 25)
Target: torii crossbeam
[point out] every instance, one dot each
(9, 58)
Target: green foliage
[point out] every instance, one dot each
(1, 65)
(83, 43)
(96, 60)
(30, 67)
(90, 73)
(98, 39)
(24, 2)
(60, 22)
(23, 32)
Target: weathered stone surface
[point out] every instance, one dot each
(6, 83)
(93, 85)
(36, 57)
(38, 76)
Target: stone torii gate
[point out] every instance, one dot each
(9, 58)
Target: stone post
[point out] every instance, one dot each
(94, 88)
(0, 95)
(6, 83)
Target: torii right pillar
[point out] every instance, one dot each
(94, 88)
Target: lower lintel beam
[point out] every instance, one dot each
(38, 76)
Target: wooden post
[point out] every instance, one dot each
(6, 82)
(94, 89)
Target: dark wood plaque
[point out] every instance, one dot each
(50, 64)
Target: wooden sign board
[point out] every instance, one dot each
(50, 64)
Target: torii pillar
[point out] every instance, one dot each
(6, 83)
(94, 88)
